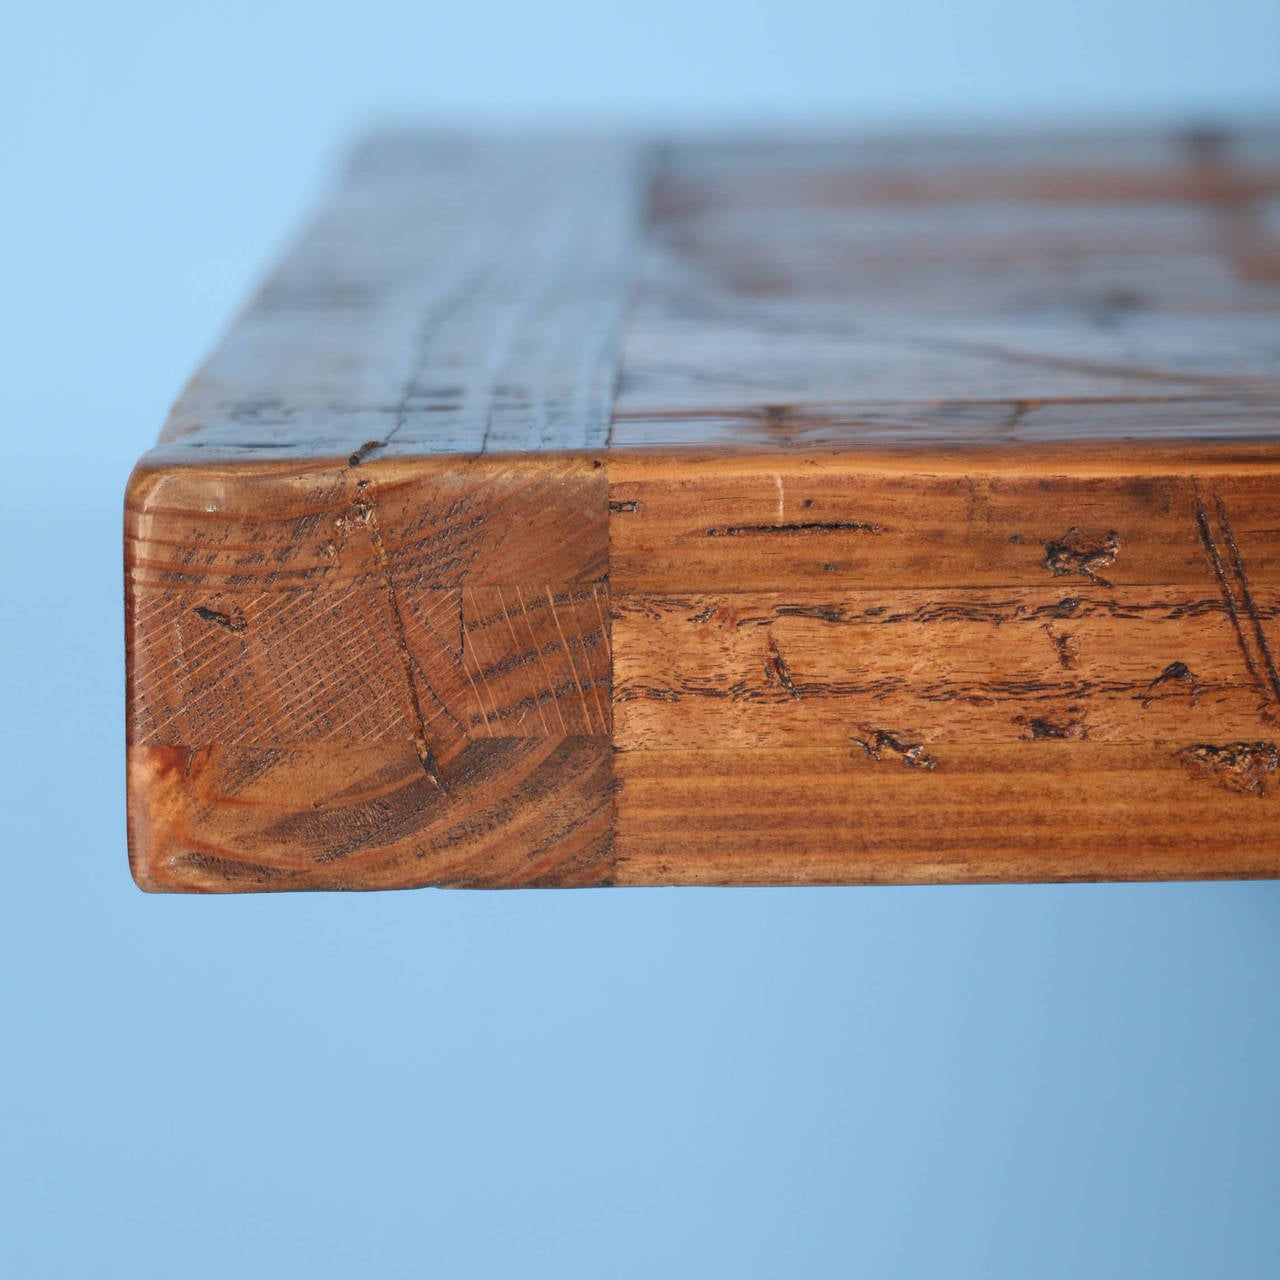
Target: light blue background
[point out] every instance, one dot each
(993, 1082)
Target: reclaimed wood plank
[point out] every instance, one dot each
(884, 811)
(794, 510)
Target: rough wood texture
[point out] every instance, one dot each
(794, 511)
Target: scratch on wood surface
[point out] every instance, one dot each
(605, 640)
(1247, 595)
(1268, 685)
(515, 648)
(479, 671)
(573, 666)
(546, 675)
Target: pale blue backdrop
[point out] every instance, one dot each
(1049, 1082)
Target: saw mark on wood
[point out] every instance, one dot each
(573, 666)
(469, 652)
(366, 510)
(517, 648)
(542, 662)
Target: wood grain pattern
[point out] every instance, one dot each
(806, 510)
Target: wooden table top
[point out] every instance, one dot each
(804, 510)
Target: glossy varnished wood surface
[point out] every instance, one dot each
(795, 511)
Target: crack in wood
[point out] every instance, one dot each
(776, 669)
(803, 526)
(366, 511)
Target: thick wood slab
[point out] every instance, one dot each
(797, 511)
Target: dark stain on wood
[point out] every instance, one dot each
(232, 620)
(1076, 553)
(1181, 677)
(1237, 766)
(776, 668)
(880, 744)
(1041, 727)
